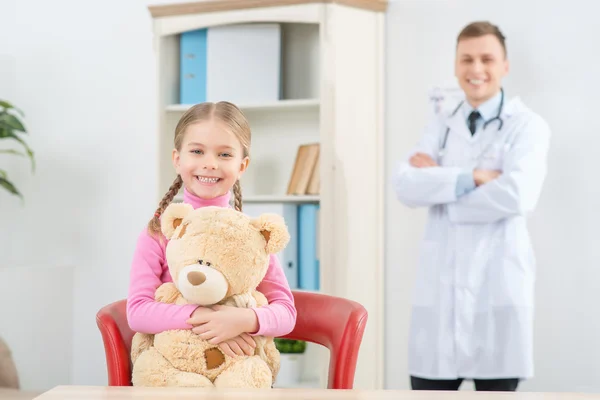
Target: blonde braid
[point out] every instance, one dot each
(154, 224)
(237, 193)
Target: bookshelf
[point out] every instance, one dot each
(331, 77)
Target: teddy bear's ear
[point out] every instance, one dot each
(173, 216)
(273, 228)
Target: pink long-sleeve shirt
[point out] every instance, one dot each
(149, 270)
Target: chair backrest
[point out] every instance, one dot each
(334, 322)
(117, 337)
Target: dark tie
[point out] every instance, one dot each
(473, 117)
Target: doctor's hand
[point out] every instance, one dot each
(483, 176)
(422, 160)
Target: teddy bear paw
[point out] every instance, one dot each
(189, 379)
(249, 373)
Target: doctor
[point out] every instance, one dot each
(479, 171)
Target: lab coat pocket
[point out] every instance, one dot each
(427, 275)
(514, 283)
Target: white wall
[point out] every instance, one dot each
(83, 74)
(85, 78)
(551, 45)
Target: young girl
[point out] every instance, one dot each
(212, 143)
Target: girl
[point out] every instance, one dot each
(212, 143)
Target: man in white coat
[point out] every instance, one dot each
(479, 170)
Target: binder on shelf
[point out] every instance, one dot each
(305, 167)
(288, 257)
(244, 63)
(308, 258)
(192, 66)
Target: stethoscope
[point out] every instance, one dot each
(442, 150)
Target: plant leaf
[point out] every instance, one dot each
(6, 184)
(11, 134)
(11, 151)
(2, 174)
(10, 121)
(6, 105)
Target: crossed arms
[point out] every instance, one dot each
(477, 196)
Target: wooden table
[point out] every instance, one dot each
(124, 393)
(14, 394)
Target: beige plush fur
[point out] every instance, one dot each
(215, 255)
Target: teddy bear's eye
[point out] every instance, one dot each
(207, 264)
(200, 262)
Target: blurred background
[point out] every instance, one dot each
(84, 74)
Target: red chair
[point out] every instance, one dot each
(333, 322)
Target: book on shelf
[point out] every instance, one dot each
(305, 177)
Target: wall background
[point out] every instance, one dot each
(85, 79)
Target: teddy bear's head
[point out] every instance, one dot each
(215, 252)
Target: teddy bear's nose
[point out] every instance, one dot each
(196, 278)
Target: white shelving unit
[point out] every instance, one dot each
(332, 94)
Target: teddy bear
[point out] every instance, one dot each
(215, 255)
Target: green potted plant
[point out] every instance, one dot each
(292, 360)
(13, 129)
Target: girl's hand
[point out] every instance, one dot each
(224, 323)
(241, 345)
(198, 314)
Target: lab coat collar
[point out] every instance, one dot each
(514, 106)
(458, 124)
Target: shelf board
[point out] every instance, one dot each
(208, 6)
(281, 199)
(273, 199)
(293, 104)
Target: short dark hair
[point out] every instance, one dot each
(482, 28)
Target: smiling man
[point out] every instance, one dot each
(481, 62)
(479, 170)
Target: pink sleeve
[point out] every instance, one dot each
(144, 314)
(278, 318)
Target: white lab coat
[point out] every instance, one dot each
(473, 304)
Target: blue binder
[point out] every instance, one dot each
(192, 64)
(308, 262)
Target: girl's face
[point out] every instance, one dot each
(211, 159)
